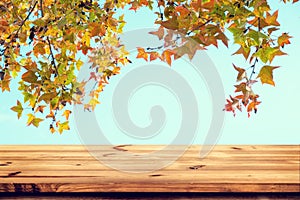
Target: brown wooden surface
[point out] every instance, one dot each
(225, 169)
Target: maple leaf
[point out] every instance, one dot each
(47, 97)
(142, 53)
(67, 114)
(33, 120)
(39, 49)
(159, 33)
(171, 24)
(272, 19)
(166, 55)
(154, 56)
(29, 77)
(63, 126)
(252, 106)
(283, 39)
(51, 115)
(266, 74)
(268, 53)
(52, 129)
(5, 85)
(244, 51)
(182, 10)
(40, 109)
(18, 109)
(232, 105)
(242, 73)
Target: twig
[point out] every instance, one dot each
(161, 14)
(49, 42)
(199, 26)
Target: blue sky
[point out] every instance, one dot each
(277, 120)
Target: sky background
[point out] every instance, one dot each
(277, 120)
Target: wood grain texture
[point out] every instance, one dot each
(226, 169)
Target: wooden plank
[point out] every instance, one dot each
(226, 169)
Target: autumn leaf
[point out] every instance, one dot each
(154, 56)
(268, 53)
(52, 129)
(32, 120)
(171, 24)
(142, 54)
(40, 109)
(39, 49)
(166, 55)
(242, 73)
(244, 51)
(159, 33)
(47, 97)
(266, 74)
(51, 115)
(283, 39)
(18, 109)
(182, 10)
(67, 114)
(252, 106)
(63, 126)
(29, 77)
(232, 105)
(272, 19)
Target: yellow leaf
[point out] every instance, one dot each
(33, 120)
(67, 114)
(266, 75)
(63, 126)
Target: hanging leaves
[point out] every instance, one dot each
(43, 43)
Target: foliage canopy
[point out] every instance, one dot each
(40, 41)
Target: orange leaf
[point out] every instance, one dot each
(142, 54)
(182, 10)
(40, 109)
(272, 19)
(67, 114)
(283, 39)
(154, 56)
(29, 77)
(166, 55)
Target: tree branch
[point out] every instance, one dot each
(49, 42)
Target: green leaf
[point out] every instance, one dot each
(18, 109)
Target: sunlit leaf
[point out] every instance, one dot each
(266, 74)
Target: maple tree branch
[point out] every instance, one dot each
(161, 14)
(22, 24)
(199, 26)
(49, 42)
(253, 69)
(27, 17)
(256, 59)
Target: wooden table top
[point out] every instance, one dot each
(226, 169)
